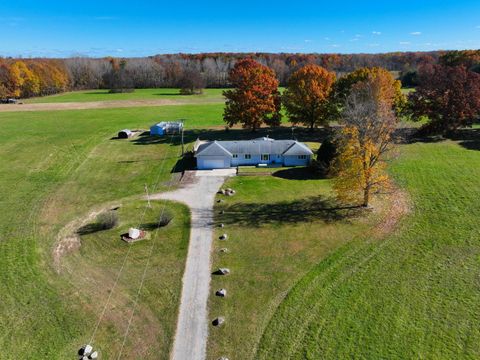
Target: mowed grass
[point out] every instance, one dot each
(57, 167)
(278, 229)
(208, 95)
(414, 295)
(94, 269)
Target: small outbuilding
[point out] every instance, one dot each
(125, 134)
(166, 128)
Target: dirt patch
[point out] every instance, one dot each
(398, 205)
(92, 105)
(68, 239)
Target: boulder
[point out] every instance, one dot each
(224, 271)
(221, 292)
(223, 237)
(223, 250)
(218, 321)
(221, 225)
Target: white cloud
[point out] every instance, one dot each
(358, 35)
(374, 45)
(376, 33)
(327, 38)
(354, 39)
(308, 41)
(416, 33)
(335, 45)
(405, 42)
(477, 27)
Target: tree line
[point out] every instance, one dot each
(38, 77)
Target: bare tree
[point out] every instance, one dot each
(369, 122)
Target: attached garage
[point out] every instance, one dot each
(212, 163)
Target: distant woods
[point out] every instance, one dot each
(21, 78)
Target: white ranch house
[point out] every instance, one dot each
(225, 154)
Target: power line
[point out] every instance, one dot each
(127, 254)
(143, 276)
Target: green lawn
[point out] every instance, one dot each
(209, 95)
(56, 167)
(278, 228)
(414, 295)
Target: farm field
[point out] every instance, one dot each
(209, 95)
(312, 288)
(298, 262)
(59, 166)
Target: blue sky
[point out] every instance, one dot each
(140, 28)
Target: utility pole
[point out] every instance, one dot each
(293, 136)
(148, 196)
(183, 150)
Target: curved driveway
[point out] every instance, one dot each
(192, 327)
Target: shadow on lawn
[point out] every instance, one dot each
(297, 173)
(279, 133)
(304, 210)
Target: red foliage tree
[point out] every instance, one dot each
(255, 99)
(307, 98)
(449, 96)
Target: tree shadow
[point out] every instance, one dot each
(298, 211)
(297, 173)
(469, 138)
(90, 229)
(470, 144)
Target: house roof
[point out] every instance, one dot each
(212, 149)
(165, 124)
(253, 147)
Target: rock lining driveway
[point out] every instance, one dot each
(192, 326)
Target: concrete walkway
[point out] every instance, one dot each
(192, 327)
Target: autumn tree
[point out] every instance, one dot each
(118, 79)
(6, 82)
(448, 96)
(385, 80)
(359, 168)
(308, 99)
(255, 99)
(25, 82)
(191, 82)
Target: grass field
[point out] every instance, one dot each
(412, 294)
(57, 166)
(209, 95)
(278, 228)
(308, 281)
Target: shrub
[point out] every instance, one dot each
(325, 155)
(165, 219)
(107, 220)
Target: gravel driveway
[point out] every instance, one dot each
(192, 327)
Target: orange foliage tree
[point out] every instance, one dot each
(307, 98)
(255, 99)
(359, 167)
(390, 89)
(27, 83)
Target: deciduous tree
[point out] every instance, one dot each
(449, 96)
(390, 89)
(255, 99)
(191, 82)
(308, 99)
(369, 120)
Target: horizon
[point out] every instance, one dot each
(97, 30)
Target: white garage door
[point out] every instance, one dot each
(214, 164)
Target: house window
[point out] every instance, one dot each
(248, 156)
(302, 157)
(265, 157)
(235, 156)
